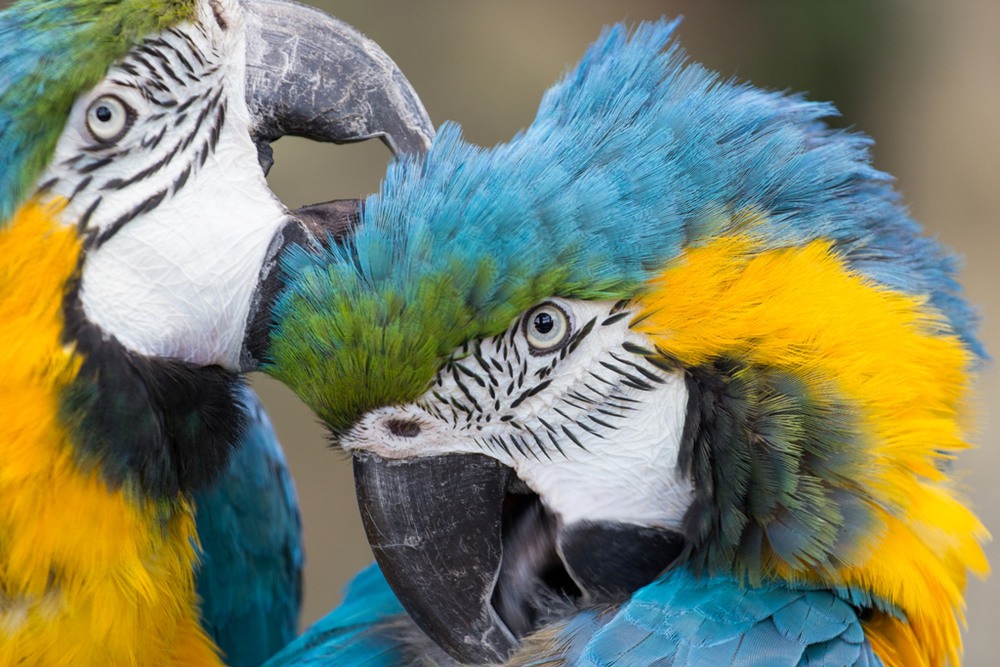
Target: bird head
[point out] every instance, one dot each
(676, 322)
(146, 128)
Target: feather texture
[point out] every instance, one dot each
(682, 620)
(76, 40)
(91, 574)
(250, 574)
(459, 242)
(366, 630)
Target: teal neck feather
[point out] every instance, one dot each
(774, 483)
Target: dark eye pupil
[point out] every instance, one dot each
(103, 114)
(543, 323)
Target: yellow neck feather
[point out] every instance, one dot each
(88, 574)
(802, 310)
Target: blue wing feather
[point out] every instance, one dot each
(368, 628)
(679, 620)
(686, 620)
(251, 563)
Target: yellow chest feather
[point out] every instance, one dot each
(89, 575)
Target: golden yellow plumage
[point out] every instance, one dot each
(90, 575)
(887, 354)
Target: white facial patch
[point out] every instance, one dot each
(175, 211)
(587, 421)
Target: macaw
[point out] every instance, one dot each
(139, 241)
(671, 377)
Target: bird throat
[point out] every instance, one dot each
(160, 426)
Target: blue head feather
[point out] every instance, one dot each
(633, 156)
(641, 153)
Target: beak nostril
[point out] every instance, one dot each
(404, 428)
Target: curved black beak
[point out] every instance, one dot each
(473, 556)
(311, 75)
(434, 525)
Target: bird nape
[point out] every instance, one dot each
(671, 377)
(139, 239)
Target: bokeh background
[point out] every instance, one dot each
(921, 77)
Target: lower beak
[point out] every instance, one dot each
(471, 553)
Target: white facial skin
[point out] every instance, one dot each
(161, 175)
(597, 440)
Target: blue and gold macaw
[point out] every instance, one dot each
(669, 378)
(139, 239)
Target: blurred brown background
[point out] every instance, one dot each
(921, 77)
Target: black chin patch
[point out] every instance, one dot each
(610, 561)
(163, 425)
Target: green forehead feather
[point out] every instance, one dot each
(347, 350)
(51, 51)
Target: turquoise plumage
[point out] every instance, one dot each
(680, 151)
(137, 233)
(686, 620)
(679, 620)
(250, 575)
(368, 629)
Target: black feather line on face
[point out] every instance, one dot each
(489, 380)
(148, 68)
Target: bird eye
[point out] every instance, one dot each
(108, 118)
(546, 328)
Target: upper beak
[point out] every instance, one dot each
(434, 525)
(473, 558)
(311, 75)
